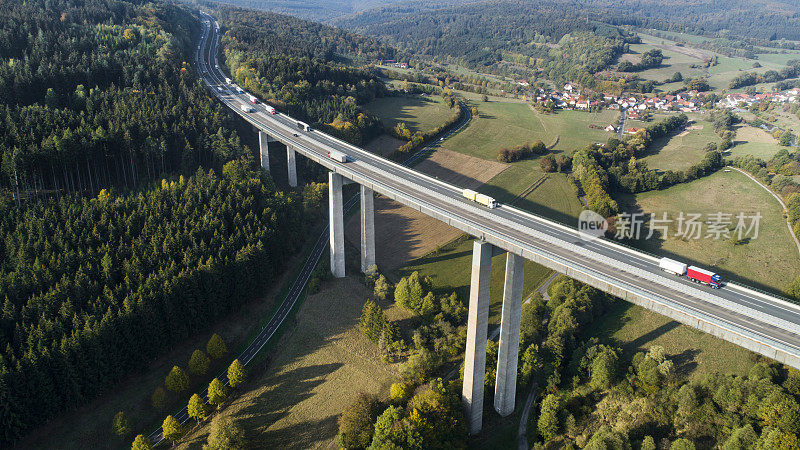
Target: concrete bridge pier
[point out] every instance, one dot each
(477, 329)
(336, 220)
(367, 228)
(505, 390)
(292, 165)
(263, 146)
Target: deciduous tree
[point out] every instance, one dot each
(236, 373)
(171, 429)
(216, 393)
(216, 346)
(198, 363)
(177, 380)
(121, 424)
(141, 443)
(197, 408)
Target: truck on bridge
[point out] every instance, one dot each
(337, 156)
(270, 109)
(252, 98)
(246, 108)
(484, 200)
(696, 274)
(703, 276)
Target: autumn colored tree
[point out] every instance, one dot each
(216, 393)
(177, 381)
(171, 429)
(197, 408)
(141, 443)
(216, 346)
(236, 373)
(121, 424)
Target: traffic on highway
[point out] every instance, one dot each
(752, 315)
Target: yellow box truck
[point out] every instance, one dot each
(477, 197)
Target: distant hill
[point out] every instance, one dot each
(760, 19)
(319, 10)
(745, 19)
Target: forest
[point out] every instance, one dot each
(756, 21)
(299, 67)
(99, 95)
(552, 41)
(95, 288)
(129, 217)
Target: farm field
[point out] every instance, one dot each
(674, 61)
(507, 124)
(318, 368)
(681, 58)
(694, 353)
(420, 113)
(756, 262)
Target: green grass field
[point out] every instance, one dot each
(676, 59)
(507, 124)
(673, 60)
(770, 261)
(681, 150)
(422, 113)
(754, 141)
(694, 353)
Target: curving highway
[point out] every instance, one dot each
(757, 321)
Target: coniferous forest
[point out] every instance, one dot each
(99, 94)
(299, 67)
(129, 216)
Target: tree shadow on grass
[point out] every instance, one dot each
(302, 435)
(685, 362)
(287, 389)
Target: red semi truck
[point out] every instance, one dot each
(693, 273)
(704, 276)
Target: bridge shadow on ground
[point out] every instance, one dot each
(618, 316)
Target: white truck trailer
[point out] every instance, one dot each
(672, 266)
(247, 108)
(337, 156)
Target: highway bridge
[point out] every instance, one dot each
(754, 320)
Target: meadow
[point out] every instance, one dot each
(756, 262)
(419, 113)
